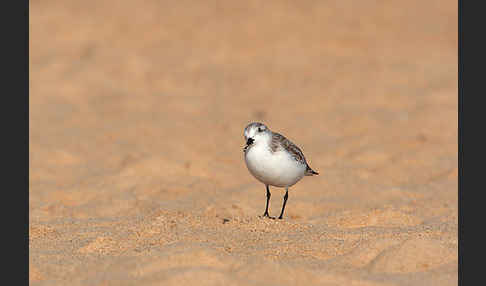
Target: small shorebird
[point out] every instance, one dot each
(274, 160)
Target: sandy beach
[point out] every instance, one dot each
(136, 169)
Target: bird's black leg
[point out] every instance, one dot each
(284, 202)
(266, 208)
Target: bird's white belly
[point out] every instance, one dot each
(278, 169)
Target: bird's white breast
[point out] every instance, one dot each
(278, 168)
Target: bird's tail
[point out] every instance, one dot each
(310, 172)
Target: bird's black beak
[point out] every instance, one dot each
(248, 143)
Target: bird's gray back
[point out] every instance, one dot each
(280, 142)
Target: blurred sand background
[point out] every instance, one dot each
(137, 110)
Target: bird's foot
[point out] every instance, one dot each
(267, 215)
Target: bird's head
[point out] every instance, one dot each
(255, 133)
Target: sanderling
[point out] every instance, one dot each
(274, 160)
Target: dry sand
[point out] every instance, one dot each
(137, 110)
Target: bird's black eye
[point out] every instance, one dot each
(260, 129)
